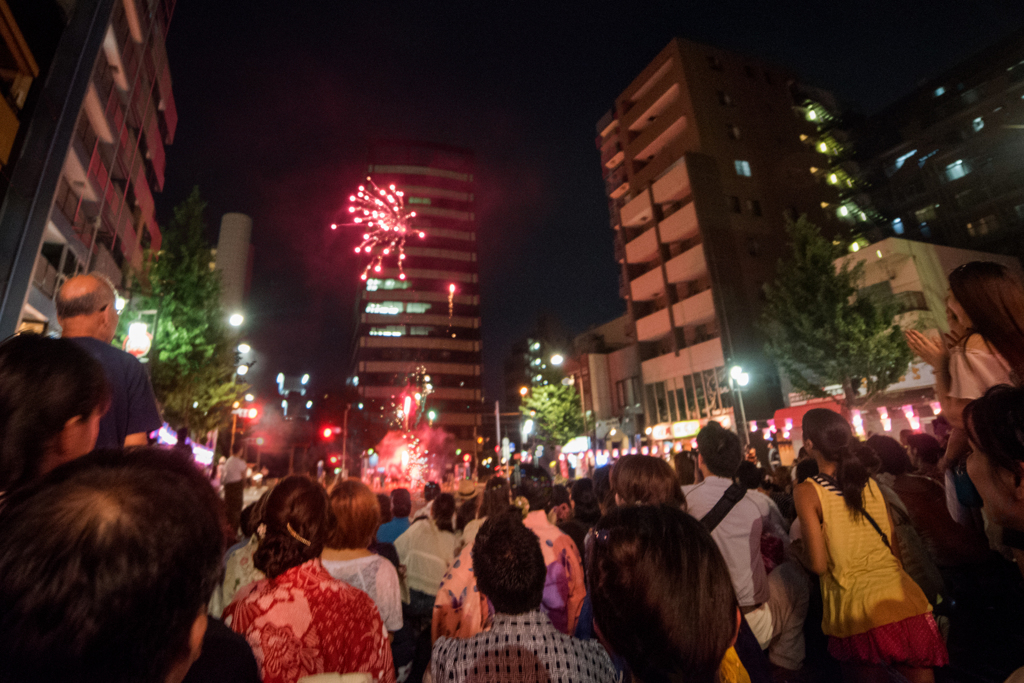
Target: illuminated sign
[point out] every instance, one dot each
(685, 428)
(661, 432)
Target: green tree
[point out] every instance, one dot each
(556, 412)
(193, 358)
(823, 330)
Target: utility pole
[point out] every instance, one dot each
(344, 441)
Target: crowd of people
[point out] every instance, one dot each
(870, 560)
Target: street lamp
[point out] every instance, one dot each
(738, 378)
(242, 369)
(236, 320)
(244, 348)
(557, 359)
(523, 391)
(250, 398)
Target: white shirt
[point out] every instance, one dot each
(375, 576)
(234, 470)
(426, 552)
(738, 537)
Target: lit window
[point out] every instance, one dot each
(833, 178)
(843, 211)
(419, 330)
(897, 226)
(373, 284)
(940, 91)
(419, 200)
(742, 167)
(416, 307)
(822, 147)
(957, 169)
(389, 331)
(901, 159)
(977, 124)
(384, 307)
(812, 115)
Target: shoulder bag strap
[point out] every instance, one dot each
(827, 482)
(725, 504)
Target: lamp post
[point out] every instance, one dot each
(737, 379)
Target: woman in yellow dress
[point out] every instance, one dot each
(876, 617)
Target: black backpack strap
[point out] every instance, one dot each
(727, 502)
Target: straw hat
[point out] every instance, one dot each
(466, 490)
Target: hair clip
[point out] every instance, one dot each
(601, 536)
(261, 531)
(298, 538)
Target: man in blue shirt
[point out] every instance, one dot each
(401, 506)
(86, 313)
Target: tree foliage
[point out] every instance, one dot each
(822, 330)
(558, 417)
(193, 357)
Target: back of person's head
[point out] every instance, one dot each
(586, 509)
(720, 450)
(893, 458)
(46, 385)
(431, 490)
(384, 503)
(686, 470)
(661, 593)
(497, 497)
(401, 503)
(106, 567)
(748, 475)
(829, 434)
(466, 511)
(443, 511)
(509, 565)
(356, 515)
(994, 301)
(298, 519)
(560, 496)
(535, 486)
(995, 425)
(926, 448)
(646, 480)
(603, 487)
(805, 469)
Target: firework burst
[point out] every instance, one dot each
(387, 224)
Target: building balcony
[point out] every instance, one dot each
(664, 128)
(654, 326)
(673, 184)
(680, 226)
(647, 286)
(642, 249)
(699, 357)
(637, 211)
(77, 170)
(45, 277)
(690, 265)
(694, 310)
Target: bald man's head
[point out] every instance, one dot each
(85, 307)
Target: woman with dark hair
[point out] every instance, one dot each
(496, 499)
(584, 502)
(874, 613)
(52, 396)
(301, 621)
(643, 480)
(662, 597)
(347, 557)
(984, 348)
(995, 424)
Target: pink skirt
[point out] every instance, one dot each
(911, 642)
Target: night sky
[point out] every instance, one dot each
(277, 101)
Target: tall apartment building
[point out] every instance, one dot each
(431, 318)
(945, 160)
(704, 156)
(234, 258)
(101, 214)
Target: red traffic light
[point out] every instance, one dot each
(253, 413)
(328, 432)
(466, 457)
(334, 460)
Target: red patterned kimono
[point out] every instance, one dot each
(305, 622)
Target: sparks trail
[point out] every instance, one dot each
(387, 222)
